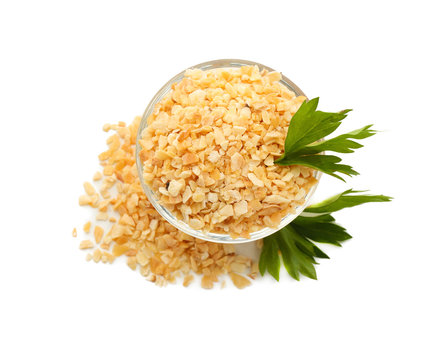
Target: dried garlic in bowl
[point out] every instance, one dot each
(206, 148)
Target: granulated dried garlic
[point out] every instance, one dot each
(219, 131)
(140, 234)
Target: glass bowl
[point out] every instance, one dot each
(163, 211)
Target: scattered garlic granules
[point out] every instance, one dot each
(209, 148)
(149, 243)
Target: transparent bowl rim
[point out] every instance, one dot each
(163, 211)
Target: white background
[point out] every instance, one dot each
(68, 67)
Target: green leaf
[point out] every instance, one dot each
(309, 125)
(340, 144)
(345, 200)
(321, 229)
(297, 252)
(295, 242)
(328, 164)
(312, 218)
(308, 248)
(294, 260)
(304, 145)
(319, 253)
(329, 233)
(269, 258)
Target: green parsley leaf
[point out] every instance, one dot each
(304, 144)
(295, 242)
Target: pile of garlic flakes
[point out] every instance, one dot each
(162, 253)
